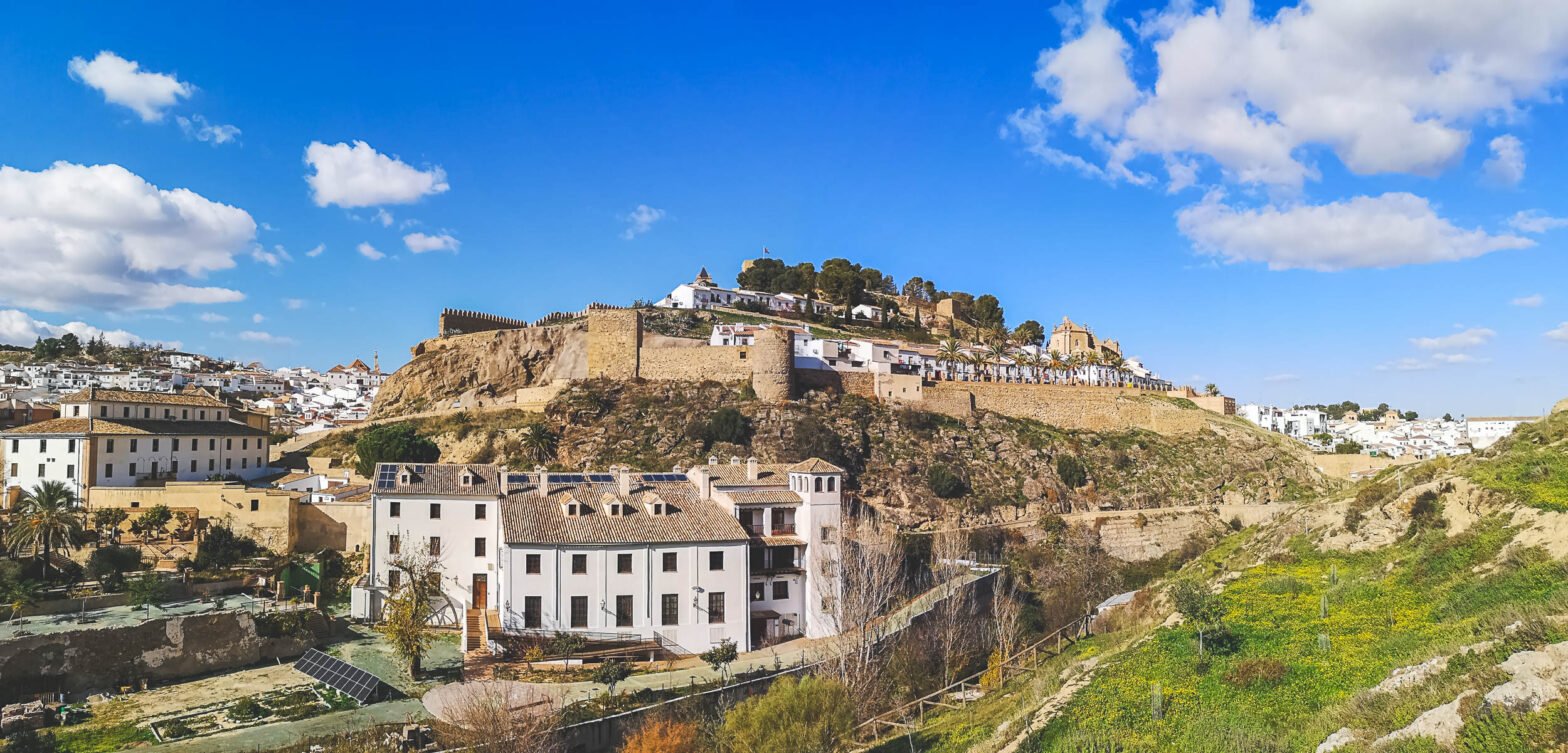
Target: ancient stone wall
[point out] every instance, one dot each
(1070, 406)
(271, 522)
(719, 363)
(773, 366)
(101, 658)
(862, 383)
(1137, 536)
(455, 322)
(614, 342)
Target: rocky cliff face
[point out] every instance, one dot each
(483, 368)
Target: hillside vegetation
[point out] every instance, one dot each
(1422, 611)
(918, 466)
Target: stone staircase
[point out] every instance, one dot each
(476, 630)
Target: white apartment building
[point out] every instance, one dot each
(702, 293)
(723, 552)
(1485, 431)
(107, 437)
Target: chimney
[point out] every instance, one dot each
(623, 477)
(751, 469)
(713, 460)
(543, 489)
(699, 477)
(734, 460)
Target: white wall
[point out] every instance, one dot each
(457, 528)
(555, 584)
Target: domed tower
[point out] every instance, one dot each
(773, 365)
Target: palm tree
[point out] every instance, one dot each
(1211, 389)
(1056, 361)
(538, 442)
(46, 518)
(976, 365)
(996, 353)
(949, 352)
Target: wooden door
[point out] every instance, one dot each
(481, 591)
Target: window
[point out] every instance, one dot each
(435, 510)
(228, 464)
(212, 465)
(670, 559)
(245, 443)
(531, 564)
(146, 413)
(108, 470)
(244, 462)
(193, 465)
(759, 591)
(212, 443)
(133, 445)
(133, 470)
(781, 589)
(125, 411)
(479, 511)
(623, 563)
(154, 445)
(394, 580)
(394, 509)
(185, 413)
(532, 612)
(579, 564)
(174, 445)
(818, 484)
(70, 445)
(202, 414)
(255, 505)
(715, 608)
(43, 445)
(669, 609)
(228, 444)
(479, 547)
(394, 544)
(40, 470)
(108, 445)
(435, 546)
(623, 611)
(103, 411)
(832, 481)
(579, 611)
(715, 560)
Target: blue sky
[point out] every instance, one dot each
(1355, 234)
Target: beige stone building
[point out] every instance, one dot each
(1070, 338)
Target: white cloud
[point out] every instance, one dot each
(1457, 358)
(315, 252)
(212, 317)
(1558, 333)
(640, 221)
(17, 328)
(1472, 337)
(294, 304)
(197, 127)
(369, 252)
(1389, 86)
(101, 237)
(420, 243)
(274, 258)
(1406, 364)
(123, 82)
(359, 176)
(267, 338)
(1506, 165)
(1531, 301)
(1281, 378)
(1535, 221)
(1364, 232)
(384, 217)
(257, 318)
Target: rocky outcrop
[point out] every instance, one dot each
(484, 368)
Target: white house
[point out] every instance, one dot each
(107, 437)
(731, 552)
(1485, 431)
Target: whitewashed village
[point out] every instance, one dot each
(187, 489)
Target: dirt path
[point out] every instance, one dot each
(1084, 673)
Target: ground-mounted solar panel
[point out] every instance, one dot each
(346, 678)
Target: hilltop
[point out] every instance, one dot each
(918, 466)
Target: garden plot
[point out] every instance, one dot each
(283, 704)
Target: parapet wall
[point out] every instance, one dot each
(458, 322)
(862, 383)
(716, 363)
(1068, 406)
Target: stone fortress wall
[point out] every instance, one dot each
(618, 348)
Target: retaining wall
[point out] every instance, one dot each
(1068, 406)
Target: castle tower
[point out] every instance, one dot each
(773, 365)
(614, 342)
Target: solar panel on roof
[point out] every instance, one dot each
(516, 479)
(664, 477)
(601, 478)
(346, 678)
(567, 478)
(386, 478)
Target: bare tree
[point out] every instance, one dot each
(869, 571)
(953, 630)
(1007, 613)
(499, 717)
(406, 616)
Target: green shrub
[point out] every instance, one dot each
(245, 710)
(392, 443)
(221, 548)
(1071, 471)
(944, 482)
(108, 565)
(726, 425)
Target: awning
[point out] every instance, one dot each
(766, 614)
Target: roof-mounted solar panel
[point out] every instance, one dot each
(601, 478)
